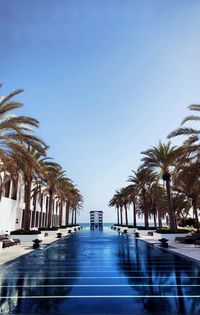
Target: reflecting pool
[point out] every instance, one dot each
(100, 272)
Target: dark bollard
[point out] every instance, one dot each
(59, 235)
(125, 231)
(164, 242)
(36, 243)
(137, 234)
(69, 231)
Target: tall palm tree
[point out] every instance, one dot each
(53, 174)
(76, 203)
(131, 198)
(114, 203)
(192, 142)
(187, 179)
(141, 180)
(14, 128)
(163, 158)
(29, 161)
(119, 203)
(64, 193)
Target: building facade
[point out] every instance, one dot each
(96, 220)
(12, 205)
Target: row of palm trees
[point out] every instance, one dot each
(24, 155)
(167, 183)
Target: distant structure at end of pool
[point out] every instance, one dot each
(96, 220)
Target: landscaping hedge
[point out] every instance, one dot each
(146, 228)
(23, 232)
(167, 231)
(53, 228)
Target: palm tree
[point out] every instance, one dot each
(187, 179)
(63, 192)
(114, 203)
(52, 175)
(14, 128)
(142, 179)
(192, 141)
(131, 195)
(163, 158)
(119, 203)
(29, 161)
(67, 193)
(76, 203)
(24, 153)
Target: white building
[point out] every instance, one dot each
(96, 220)
(12, 208)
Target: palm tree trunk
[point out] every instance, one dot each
(72, 217)
(134, 214)
(61, 213)
(170, 206)
(33, 223)
(159, 219)
(67, 214)
(154, 217)
(41, 209)
(146, 214)
(27, 210)
(194, 204)
(126, 214)
(50, 209)
(121, 215)
(75, 215)
(117, 215)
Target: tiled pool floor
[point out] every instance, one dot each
(100, 272)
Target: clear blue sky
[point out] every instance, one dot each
(106, 79)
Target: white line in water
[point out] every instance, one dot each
(108, 271)
(112, 277)
(108, 267)
(98, 285)
(96, 296)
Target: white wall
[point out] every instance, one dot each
(11, 210)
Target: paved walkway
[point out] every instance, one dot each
(9, 253)
(187, 250)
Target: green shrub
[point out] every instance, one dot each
(146, 228)
(187, 221)
(23, 232)
(168, 231)
(53, 228)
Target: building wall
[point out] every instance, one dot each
(11, 211)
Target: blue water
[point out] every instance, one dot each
(100, 272)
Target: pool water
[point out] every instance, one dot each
(100, 272)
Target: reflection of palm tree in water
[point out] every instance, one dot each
(138, 265)
(149, 263)
(33, 271)
(181, 304)
(53, 304)
(5, 291)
